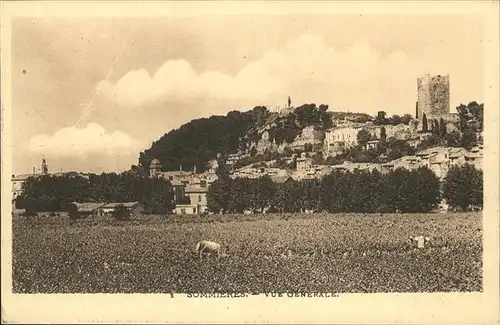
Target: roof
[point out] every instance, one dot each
(281, 179)
(456, 152)
(192, 189)
(473, 155)
(176, 173)
(176, 182)
(22, 176)
(452, 150)
(88, 206)
(429, 155)
(427, 151)
(186, 206)
(125, 204)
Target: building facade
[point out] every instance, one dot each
(339, 139)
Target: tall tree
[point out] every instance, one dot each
(363, 137)
(463, 187)
(469, 139)
(263, 193)
(219, 193)
(463, 114)
(383, 134)
(442, 128)
(453, 139)
(241, 195)
(425, 126)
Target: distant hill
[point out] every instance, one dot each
(198, 141)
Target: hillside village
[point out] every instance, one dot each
(326, 142)
(298, 160)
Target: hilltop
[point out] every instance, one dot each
(195, 143)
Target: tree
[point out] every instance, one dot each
(198, 141)
(318, 159)
(395, 120)
(468, 140)
(453, 139)
(380, 119)
(121, 213)
(463, 187)
(383, 134)
(241, 195)
(292, 196)
(463, 113)
(363, 136)
(425, 127)
(406, 119)
(263, 192)
(413, 191)
(219, 193)
(442, 128)
(477, 112)
(253, 152)
(158, 196)
(309, 195)
(429, 142)
(73, 212)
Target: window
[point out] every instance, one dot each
(199, 198)
(183, 211)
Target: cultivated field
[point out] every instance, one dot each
(330, 253)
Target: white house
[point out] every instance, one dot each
(339, 139)
(196, 191)
(17, 184)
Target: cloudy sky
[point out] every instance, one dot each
(168, 71)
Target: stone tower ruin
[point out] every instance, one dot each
(433, 96)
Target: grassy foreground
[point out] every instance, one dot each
(330, 253)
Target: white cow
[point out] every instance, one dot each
(420, 240)
(209, 247)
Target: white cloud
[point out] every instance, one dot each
(356, 78)
(81, 142)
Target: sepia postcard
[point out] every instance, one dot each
(250, 162)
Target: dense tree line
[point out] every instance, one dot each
(56, 193)
(382, 119)
(343, 191)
